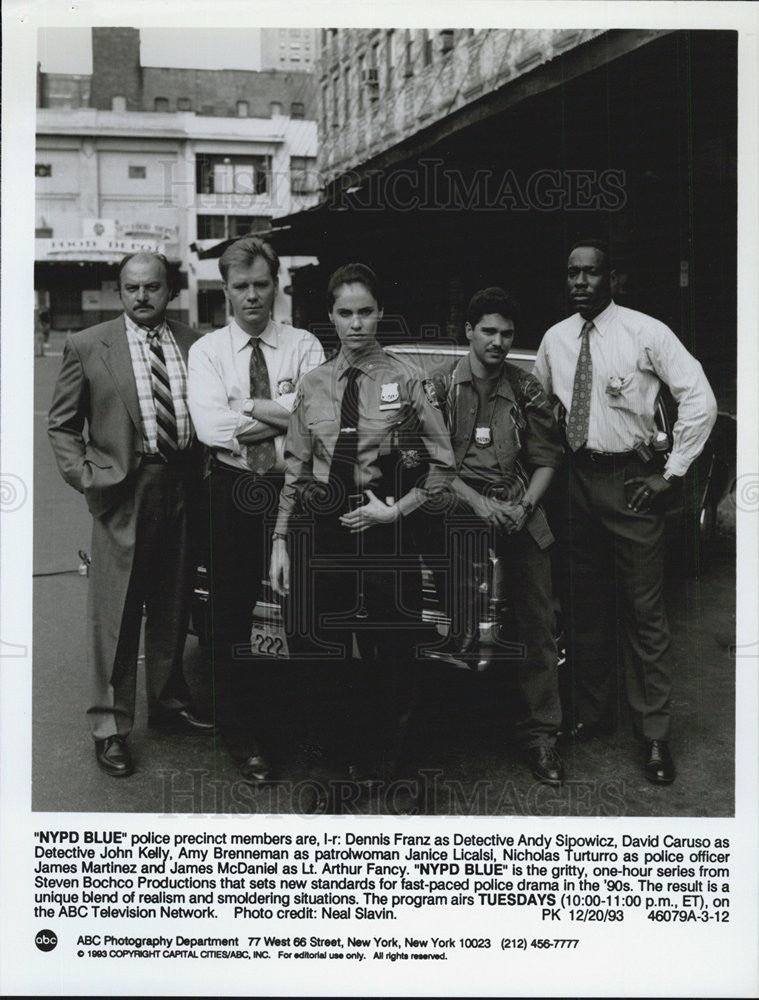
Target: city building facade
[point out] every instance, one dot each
(162, 159)
(455, 159)
(289, 48)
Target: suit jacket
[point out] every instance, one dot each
(96, 387)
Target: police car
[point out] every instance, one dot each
(691, 522)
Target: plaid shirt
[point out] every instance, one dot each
(139, 348)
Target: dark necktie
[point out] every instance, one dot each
(166, 420)
(578, 420)
(346, 447)
(262, 456)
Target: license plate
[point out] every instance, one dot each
(267, 636)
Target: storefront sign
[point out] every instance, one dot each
(93, 248)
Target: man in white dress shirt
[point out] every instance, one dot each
(241, 388)
(605, 366)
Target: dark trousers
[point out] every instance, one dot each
(142, 556)
(369, 586)
(613, 597)
(531, 654)
(242, 508)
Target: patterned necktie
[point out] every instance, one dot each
(346, 446)
(262, 456)
(578, 420)
(166, 420)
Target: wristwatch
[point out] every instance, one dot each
(278, 536)
(248, 407)
(528, 505)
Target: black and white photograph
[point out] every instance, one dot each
(498, 606)
(379, 445)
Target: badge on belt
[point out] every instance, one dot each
(390, 396)
(429, 391)
(482, 437)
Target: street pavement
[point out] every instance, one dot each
(459, 752)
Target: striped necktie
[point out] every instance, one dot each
(166, 420)
(578, 420)
(262, 456)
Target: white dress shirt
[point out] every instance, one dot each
(219, 383)
(631, 354)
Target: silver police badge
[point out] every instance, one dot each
(285, 386)
(482, 436)
(390, 396)
(410, 458)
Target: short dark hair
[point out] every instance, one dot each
(597, 244)
(492, 300)
(245, 251)
(172, 279)
(354, 274)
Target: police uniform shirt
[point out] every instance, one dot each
(480, 463)
(392, 395)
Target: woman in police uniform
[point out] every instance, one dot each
(366, 447)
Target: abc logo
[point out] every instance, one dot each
(46, 940)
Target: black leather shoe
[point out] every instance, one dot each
(660, 768)
(179, 720)
(546, 765)
(256, 768)
(113, 756)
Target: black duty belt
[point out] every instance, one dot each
(218, 466)
(179, 458)
(603, 457)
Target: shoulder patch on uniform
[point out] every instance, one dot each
(429, 391)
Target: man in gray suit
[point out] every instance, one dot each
(139, 467)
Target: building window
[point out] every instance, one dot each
(242, 109)
(118, 103)
(297, 110)
(347, 92)
(211, 227)
(224, 227)
(43, 233)
(324, 107)
(390, 57)
(137, 173)
(304, 178)
(242, 225)
(232, 174)
(212, 307)
(43, 170)
(427, 49)
(335, 103)
(361, 81)
(408, 65)
(184, 104)
(161, 104)
(275, 108)
(446, 41)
